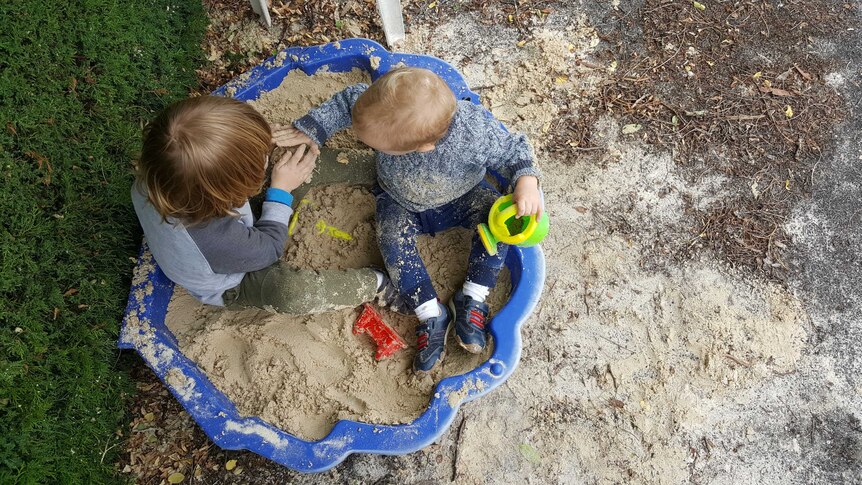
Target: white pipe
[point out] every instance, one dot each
(393, 21)
(261, 8)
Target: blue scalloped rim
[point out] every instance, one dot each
(151, 292)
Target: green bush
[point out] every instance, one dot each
(77, 80)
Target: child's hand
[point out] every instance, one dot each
(289, 136)
(293, 169)
(527, 197)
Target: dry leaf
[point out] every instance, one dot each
(352, 27)
(616, 403)
(530, 453)
(788, 111)
(802, 73)
(230, 465)
(775, 91)
(699, 6)
(70, 292)
(581, 209)
(631, 128)
(176, 477)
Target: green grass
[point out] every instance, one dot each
(77, 79)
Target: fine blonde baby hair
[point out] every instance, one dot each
(411, 106)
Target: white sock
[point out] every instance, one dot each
(476, 292)
(379, 276)
(429, 309)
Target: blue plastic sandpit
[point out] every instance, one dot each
(144, 330)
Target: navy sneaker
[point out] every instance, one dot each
(431, 341)
(470, 317)
(389, 297)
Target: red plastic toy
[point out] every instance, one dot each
(387, 340)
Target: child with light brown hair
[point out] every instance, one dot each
(202, 158)
(432, 156)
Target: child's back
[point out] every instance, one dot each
(201, 159)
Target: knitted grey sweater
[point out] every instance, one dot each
(418, 181)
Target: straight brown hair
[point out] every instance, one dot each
(203, 157)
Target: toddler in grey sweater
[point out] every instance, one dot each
(433, 153)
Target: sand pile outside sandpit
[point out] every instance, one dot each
(304, 373)
(633, 362)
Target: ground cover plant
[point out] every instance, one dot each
(77, 80)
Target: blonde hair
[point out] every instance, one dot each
(203, 157)
(412, 106)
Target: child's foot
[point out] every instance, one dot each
(389, 297)
(470, 316)
(431, 341)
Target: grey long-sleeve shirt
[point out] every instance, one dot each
(418, 181)
(208, 259)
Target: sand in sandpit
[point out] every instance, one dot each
(299, 92)
(303, 373)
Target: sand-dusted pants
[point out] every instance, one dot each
(284, 289)
(398, 228)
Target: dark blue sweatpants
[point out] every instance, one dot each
(398, 228)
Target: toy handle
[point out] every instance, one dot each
(510, 212)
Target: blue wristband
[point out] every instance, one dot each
(278, 195)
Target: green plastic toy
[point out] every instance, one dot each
(504, 227)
